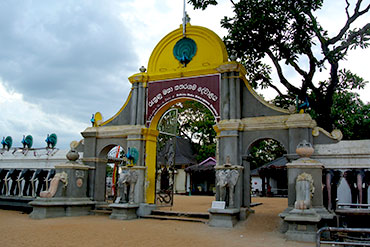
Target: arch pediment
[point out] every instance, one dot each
(210, 54)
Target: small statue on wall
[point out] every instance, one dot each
(126, 185)
(304, 191)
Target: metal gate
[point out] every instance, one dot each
(166, 153)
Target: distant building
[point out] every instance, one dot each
(271, 178)
(184, 157)
(202, 177)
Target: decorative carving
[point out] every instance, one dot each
(232, 66)
(79, 182)
(304, 191)
(127, 179)
(227, 178)
(335, 134)
(80, 174)
(62, 177)
(185, 50)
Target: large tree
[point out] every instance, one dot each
(289, 32)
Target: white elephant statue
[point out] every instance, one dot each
(226, 178)
(304, 191)
(127, 179)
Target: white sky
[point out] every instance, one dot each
(61, 61)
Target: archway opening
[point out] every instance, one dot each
(112, 159)
(268, 168)
(186, 139)
(115, 160)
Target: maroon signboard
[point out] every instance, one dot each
(205, 89)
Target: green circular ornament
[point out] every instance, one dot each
(185, 50)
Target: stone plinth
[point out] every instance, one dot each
(123, 211)
(302, 225)
(67, 195)
(60, 207)
(223, 217)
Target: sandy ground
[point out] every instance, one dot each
(260, 229)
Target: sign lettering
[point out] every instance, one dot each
(205, 89)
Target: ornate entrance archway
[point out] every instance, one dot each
(193, 67)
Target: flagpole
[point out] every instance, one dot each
(184, 21)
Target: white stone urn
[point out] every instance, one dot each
(304, 149)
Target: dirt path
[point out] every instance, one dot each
(260, 229)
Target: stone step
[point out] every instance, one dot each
(181, 214)
(255, 204)
(166, 217)
(101, 211)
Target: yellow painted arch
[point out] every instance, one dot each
(211, 52)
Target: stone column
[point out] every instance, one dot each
(228, 138)
(233, 102)
(228, 134)
(304, 213)
(246, 200)
(134, 99)
(225, 96)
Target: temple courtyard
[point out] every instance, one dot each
(261, 229)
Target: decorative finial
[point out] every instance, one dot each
(185, 20)
(304, 149)
(142, 69)
(73, 155)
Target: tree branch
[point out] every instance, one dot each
(308, 79)
(351, 37)
(298, 69)
(313, 62)
(322, 39)
(350, 20)
(347, 13)
(283, 80)
(275, 88)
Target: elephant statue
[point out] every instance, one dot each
(226, 178)
(304, 191)
(59, 177)
(127, 179)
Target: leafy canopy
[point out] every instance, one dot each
(289, 34)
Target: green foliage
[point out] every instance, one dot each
(351, 116)
(348, 112)
(195, 123)
(109, 171)
(288, 32)
(265, 151)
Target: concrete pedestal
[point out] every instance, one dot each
(302, 225)
(69, 198)
(223, 217)
(123, 211)
(60, 207)
(145, 209)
